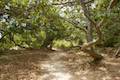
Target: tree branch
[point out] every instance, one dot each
(71, 2)
(74, 24)
(64, 3)
(97, 26)
(86, 12)
(112, 3)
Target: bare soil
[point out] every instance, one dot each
(57, 65)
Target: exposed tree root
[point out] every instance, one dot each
(117, 52)
(96, 57)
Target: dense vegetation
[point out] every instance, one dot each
(59, 39)
(60, 23)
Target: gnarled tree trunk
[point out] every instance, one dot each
(88, 47)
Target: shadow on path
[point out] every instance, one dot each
(56, 65)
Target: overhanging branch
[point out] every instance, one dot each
(86, 12)
(65, 3)
(97, 26)
(74, 24)
(112, 3)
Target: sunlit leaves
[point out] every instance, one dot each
(20, 2)
(35, 21)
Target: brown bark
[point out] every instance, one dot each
(117, 52)
(88, 47)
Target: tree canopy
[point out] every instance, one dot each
(43, 23)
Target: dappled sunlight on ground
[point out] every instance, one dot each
(56, 65)
(57, 71)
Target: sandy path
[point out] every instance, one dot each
(55, 65)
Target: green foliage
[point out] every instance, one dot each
(112, 34)
(30, 24)
(111, 28)
(38, 23)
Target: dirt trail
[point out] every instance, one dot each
(56, 65)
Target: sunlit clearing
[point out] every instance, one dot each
(15, 48)
(56, 72)
(61, 76)
(48, 67)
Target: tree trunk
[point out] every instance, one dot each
(89, 33)
(91, 50)
(48, 43)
